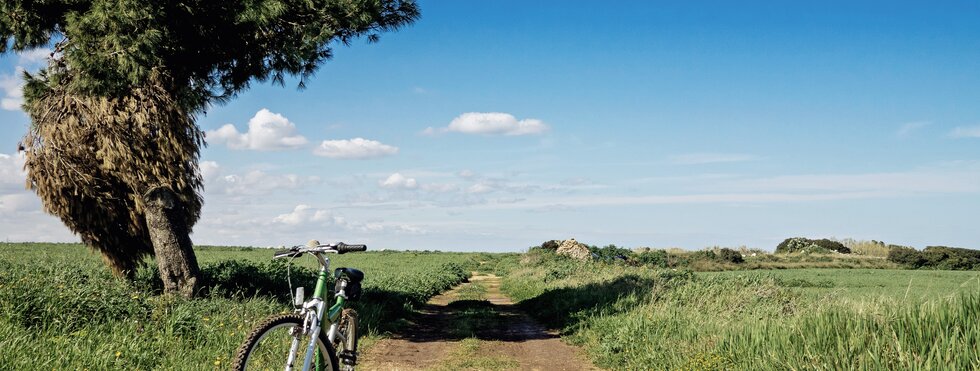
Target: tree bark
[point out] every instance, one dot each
(171, 242)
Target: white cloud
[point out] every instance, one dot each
(12, 174)
(908, 128)
(13, 94)
(354, 149)
(33, 56)
(267, 131)
(398, 181)
(480, 188)
(19, 202)
(491, 123)
(305, 215)
(252, 183)
(966, 132)
(210, 170)
(710, 158)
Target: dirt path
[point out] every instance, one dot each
(473, 326)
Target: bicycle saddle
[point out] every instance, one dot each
(353, 274)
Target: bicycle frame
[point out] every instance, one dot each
(314, 310)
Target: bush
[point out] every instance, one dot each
(939, 257)
(653, 258)
(801, 244)
(731, 256)
(611, 254)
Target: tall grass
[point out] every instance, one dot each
(60, 308)
(640, 319)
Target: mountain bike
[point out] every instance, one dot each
(298, 340)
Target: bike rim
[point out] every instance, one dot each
(271, 349)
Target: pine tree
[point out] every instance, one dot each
(113, 144)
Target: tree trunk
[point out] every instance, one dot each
(171, 242)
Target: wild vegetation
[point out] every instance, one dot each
(937, 257)
(631, 311)
(633, 317)
(61, 301)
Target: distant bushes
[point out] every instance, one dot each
(800, 244)
(938, 257)
(711, 258)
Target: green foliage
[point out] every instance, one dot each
(938, 257)
(653, 258)
(731, 256)
(611, 254)
(806, 245)
(209, 49)
(907, 257)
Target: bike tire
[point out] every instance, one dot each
(267, 346)
(347, 352)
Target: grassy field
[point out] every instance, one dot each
(59, 301)
(640, 318)
(61, 309)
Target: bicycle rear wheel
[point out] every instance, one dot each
(267, 346)
(347, 350)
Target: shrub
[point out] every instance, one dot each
(955, 258)
(653, 258)
(611, 254)
(940, 257)
(801, 244)
(731, 256)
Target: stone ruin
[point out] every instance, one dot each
(570, 248)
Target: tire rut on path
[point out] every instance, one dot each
(512, 339)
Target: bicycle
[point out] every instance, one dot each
(284, 339)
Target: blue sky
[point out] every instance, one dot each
(495, 126)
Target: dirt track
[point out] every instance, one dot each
(507, 339)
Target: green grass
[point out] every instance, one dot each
(914, 286)
(638, 318)
(60, 308)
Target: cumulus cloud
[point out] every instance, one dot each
(210, 170)
(12, 170)
(33, 56)
(12, 87)
(710, 158)
(491, 123)
(354, 149)
(267, 131)
(398, 181)
(966, 132)
(306, 215)
(252, 183)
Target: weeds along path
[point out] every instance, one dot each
(473, 326)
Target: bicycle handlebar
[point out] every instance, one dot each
(339, 248)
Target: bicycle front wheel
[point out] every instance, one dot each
(268, 346)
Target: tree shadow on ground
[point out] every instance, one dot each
(559, 308)
(532, 319)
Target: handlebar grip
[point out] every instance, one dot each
(343, 248)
